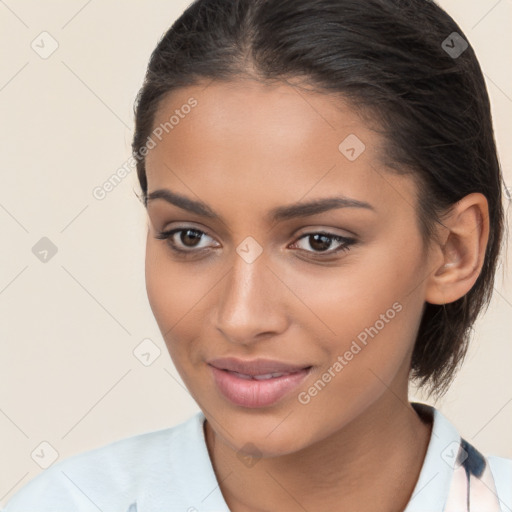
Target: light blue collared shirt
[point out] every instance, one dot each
(170, 470)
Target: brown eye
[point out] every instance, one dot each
(322, 242)
(187, 242)
(190, 237)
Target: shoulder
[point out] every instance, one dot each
(493, 471)
(455, 471)
(501, 469)
(107, 478)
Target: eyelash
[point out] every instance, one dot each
(345, 247)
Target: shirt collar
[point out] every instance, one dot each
(433, 485)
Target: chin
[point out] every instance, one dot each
(263, 435)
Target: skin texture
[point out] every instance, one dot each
(243, 150)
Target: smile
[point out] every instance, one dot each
(254, 388)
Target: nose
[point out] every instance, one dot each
(251, 304)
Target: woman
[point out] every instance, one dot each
(324, 223)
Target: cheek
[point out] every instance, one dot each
(160, 286)
(372, 309)
(368, 357)
(341, 302)
(180, 299)
(172, 292)
(171, 295)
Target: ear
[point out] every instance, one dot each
(460, 253)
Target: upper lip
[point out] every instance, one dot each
(255, 366)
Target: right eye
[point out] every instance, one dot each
(189, 237)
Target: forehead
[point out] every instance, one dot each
(259, 142)
(260, 118)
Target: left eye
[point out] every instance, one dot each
(321, 242)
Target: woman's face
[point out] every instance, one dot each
(253, 278)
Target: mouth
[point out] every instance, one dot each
(257, 368)
(256, 383)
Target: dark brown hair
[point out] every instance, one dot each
(405, 61)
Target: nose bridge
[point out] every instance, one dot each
(248, 304)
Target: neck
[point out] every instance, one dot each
(376, 459)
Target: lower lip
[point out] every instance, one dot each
(256, 393)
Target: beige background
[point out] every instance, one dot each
(69, 326)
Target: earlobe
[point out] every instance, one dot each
(461, 252)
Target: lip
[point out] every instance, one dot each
(237, 380)
(255, 366)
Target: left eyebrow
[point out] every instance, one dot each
(314, 207)
(280, 213)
